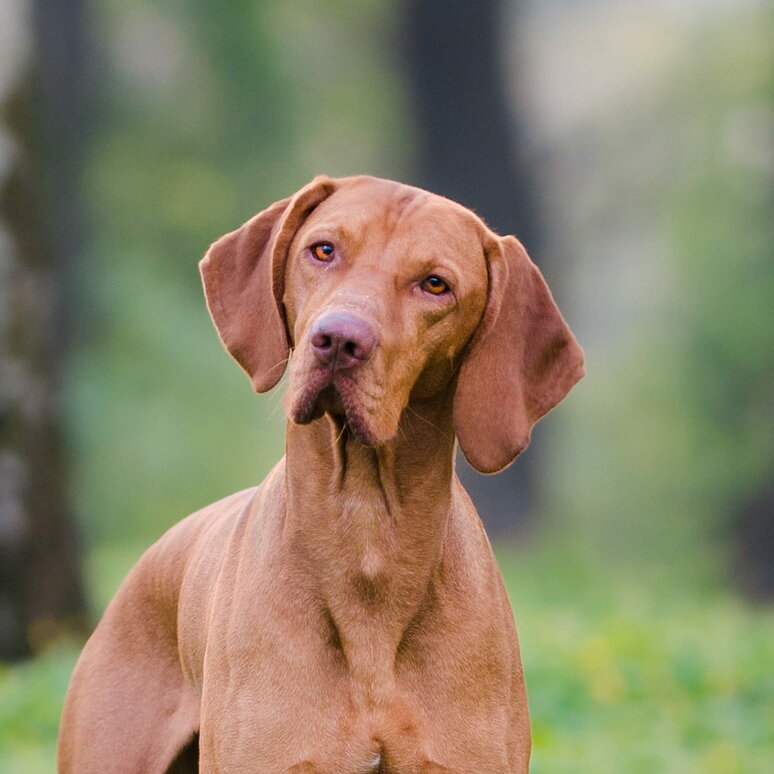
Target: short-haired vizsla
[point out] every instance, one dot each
(347, 615)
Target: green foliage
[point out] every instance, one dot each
(723, 234)
(208, 115)
(625, 674)
(673, 429)
(638, 674)
(31, 697)
(204, 119)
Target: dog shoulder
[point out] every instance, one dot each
(154, 583)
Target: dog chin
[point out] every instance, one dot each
(338, 401)
(360, 429)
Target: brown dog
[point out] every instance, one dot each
(347, 616)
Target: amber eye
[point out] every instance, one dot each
(434, 285)
(323, 251)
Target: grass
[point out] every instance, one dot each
(633, 674)
(626, 673)
(30, 701)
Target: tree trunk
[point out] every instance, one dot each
(41, 594)
(468, 151)
(752, 536)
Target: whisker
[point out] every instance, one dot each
(276, 400)
(424, 419)
(279, 364)
(341, 432)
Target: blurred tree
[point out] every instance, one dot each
(468, 150)
(715, 375)
(194, 136)
(724, 232)
(41, 594)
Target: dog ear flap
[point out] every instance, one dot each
(243, 276)
(522, 360)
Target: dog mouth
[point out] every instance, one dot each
(334, 394)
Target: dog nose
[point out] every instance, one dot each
(342, 340)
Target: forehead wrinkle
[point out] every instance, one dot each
(438, 229)
(341, 231)
(366, 217)
(326, 229)
(374, 220)
(404, 202)
(399, 209)
(392, 204)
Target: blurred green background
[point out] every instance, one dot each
(643, 574)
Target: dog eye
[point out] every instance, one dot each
(323, 251)
(434, 285)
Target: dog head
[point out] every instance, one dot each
(385, 293)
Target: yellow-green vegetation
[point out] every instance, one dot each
(631, 674)
(30, 701)
(625, 674)
(638, 657)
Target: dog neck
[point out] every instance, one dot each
(368, 524)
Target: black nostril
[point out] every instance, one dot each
(350, 348)
(322, 341)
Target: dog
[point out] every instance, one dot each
(346, 616)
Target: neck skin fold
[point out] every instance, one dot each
(368, 525)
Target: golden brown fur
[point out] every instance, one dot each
(347, 616)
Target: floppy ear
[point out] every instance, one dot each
(521, 362)
(243, 275)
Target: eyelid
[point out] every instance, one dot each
(445, 273)
(314, 251)
(331, 236)
(322, 241)
(442, 289)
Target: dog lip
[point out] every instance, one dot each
(304, 406)
(328, 391)
(356, 422)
